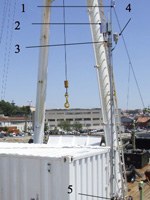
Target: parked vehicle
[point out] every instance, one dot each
(128, 131)
(1, 136)
(12, 134)
(20, 134)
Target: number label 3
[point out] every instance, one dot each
(17, 48)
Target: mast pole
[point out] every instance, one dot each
(42, 75)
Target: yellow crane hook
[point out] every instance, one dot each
(67, 105)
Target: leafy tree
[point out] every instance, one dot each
(9, 109)
(46, 127)
(5, 129)
(65, 125)
(77, 126)
(56, 129)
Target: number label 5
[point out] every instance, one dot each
(70, 190)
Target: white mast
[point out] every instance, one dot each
(103, 74)
(42, 75)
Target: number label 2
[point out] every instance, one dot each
(18, 25)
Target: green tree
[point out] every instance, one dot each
(65, 125)
(46, 127)
(5, 129)
(77, 126)
(56, 129)
(9, 109)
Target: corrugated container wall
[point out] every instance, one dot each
(39, 172)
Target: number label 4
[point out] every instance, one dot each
(128, 7)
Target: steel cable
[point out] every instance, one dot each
(129, 59)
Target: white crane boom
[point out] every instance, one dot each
(42, 75)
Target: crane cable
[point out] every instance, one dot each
(129, 59)
(66, 83)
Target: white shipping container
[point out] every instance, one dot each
(40, 172)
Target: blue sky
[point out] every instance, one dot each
(20, 73)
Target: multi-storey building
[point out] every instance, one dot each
(89, 118)
(14, 123)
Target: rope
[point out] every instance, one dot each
(9, 35)
(5, 55)
(10, 45)
(4, 18)
(129, 60)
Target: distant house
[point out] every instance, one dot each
(127, 122)
(14, 123)
(143, 122)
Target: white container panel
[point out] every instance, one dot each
(90, 179)
(66, 140)
(62, 174)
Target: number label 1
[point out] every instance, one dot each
(70, 189)
(23, 9)
(128, 7)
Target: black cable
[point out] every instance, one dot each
(75, 6)
(88, 195)
(65, 50)
(129, 59)
(59, 45)
(128, 85)
(77, 23)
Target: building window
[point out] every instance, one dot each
(87, 125)
(78, 119)
(87, 119)
(60, 120)
(69, 113)
(51, 120)
(69, 119)
(96, 112)
(82, 113)
(60, 113)
(96, 119)
(96, 124)
(78, 113)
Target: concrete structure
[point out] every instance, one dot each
(89, 118)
